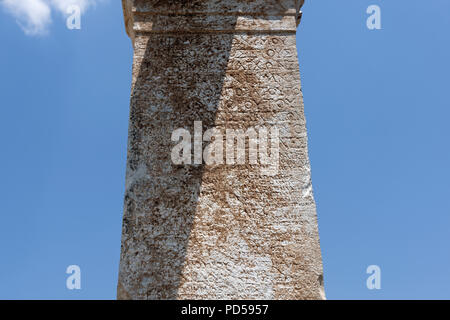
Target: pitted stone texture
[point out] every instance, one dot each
(216, 231)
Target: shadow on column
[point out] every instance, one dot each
(179, 81)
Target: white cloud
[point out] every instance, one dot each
(34, 16)
(62, 5)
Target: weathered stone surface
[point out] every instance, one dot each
(217, 231)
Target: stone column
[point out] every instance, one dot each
(234, 221)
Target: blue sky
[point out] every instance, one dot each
(377, 110)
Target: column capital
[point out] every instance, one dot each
(203, 16)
